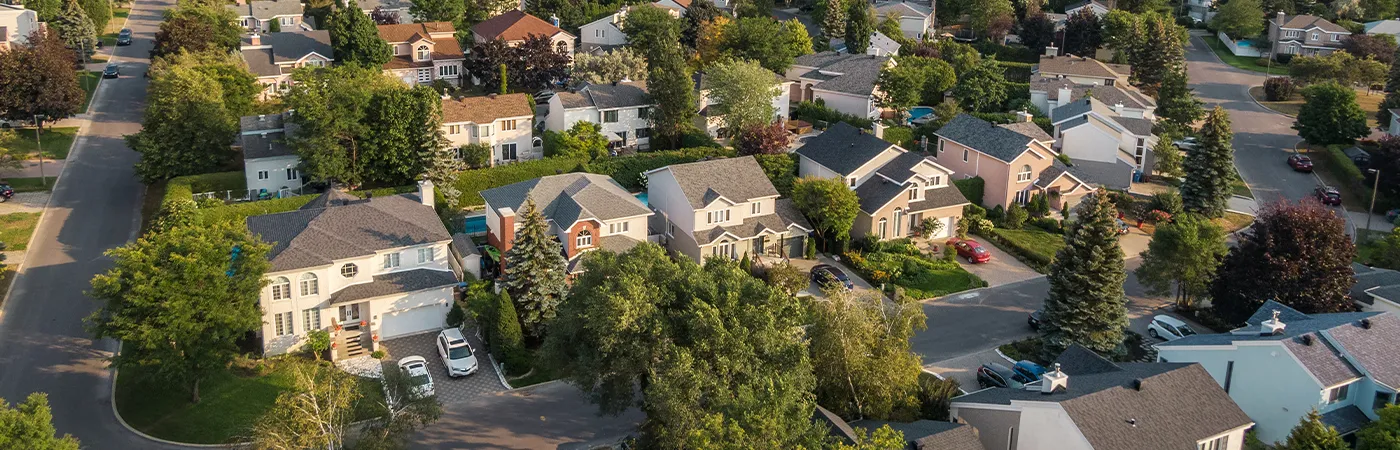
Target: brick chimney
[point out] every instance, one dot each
(505, 229)
(254, 40)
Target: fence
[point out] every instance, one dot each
(1244, 47)
(252, 195)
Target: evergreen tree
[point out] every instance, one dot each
(535, 270)
(1210, 168)
(1384, 433)
(355, 39)
(830, 15)
(1169, 157)
(1330, 115)
(76, 29)
(1086, 305)
(1083, 33)
(860, 24)
(1176, 105)
(670, 83)
(1312, 434)
(1392, 94)
(29, 425)
(1158, 54)
(507, 341)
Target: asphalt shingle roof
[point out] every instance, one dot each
(930, 434)
(285, 47)
(901, 168)
(395, 283)
(856, 74)
(568, 198)
(319, 236)
(1323, 361)
(486, 109)
(1140, 127)
(1370, 277)
(903, 9)
(1346, 420)
(1306, 22)
(939, 198)
(607, 96)
(985, 137)
(1117, 174)
(515, 25)
(843, 148)
(877, 192)
(785, 215)
(1373, 348)
(1081, 66)
(264, 10)
(403, 32)
(1029, 129)
(1115, 94)
(265, 136)
(737, 179)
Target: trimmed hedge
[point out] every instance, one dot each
(816, 112)
(901, 136)
(471, 182)
(238, 211)
(1346, 168)
(1007, 53)
(185, 187)
(1016, 72)
(971, 188)
(1017, 91)
(627, 170)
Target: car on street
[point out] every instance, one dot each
(457, 354)
(1328, 195)
(1027, 371)
(1168, 328)
(415, 368)
(124, 37)
(111, 71)
(1186, 143)
(1035, 318)
(1300, 163)
(823, 274)
(972, 251)
(997, 375)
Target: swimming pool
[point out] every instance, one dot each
(918, 112)
(643, 197)
(474, 224)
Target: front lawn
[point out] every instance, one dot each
(114, 26)
(1242, 62)
(56, 141)
(15, 229)
(1367, 243)
(89, 82)
(1031, 245)
(1233, 221)
(900, 264)
(32, 184)
(1369, 102)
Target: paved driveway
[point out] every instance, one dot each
(449, 390)
(549, 415)
(1002, 270)
(964, 368)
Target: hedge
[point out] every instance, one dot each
(627, 170)
(1016, 72)
(901, 136)
(971, 188)
(817, 112)
(185, 187)
(1007, 53)
(1017, 91)
(1346, 168)
(239, 211)
(471, 182)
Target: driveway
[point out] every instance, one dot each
(964, 368)
(549, 415)
(1002, 270)
(806, 265)
(449, 390)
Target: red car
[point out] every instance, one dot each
(973, 251)
(1328, 195)
(1300, 163)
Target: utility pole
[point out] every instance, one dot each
(1376, 184)
(39, 143)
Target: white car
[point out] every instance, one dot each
(416, 369)
(1169, 328)
(1187, 143)
(457, 355)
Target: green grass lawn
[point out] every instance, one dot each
(56, 141)
(231, 402)
(1242, 62)
(1233, 221)
(1367, 243)
(15, 229)
(1034, 240)
(89, 82)
(31, 184)
(1370, 102)
(938, 282)
(114, 26)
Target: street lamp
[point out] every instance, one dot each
(38, 143)
(1374, 185)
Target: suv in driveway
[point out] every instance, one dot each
(457, 355)
(1169, 328)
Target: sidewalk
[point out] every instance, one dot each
(51, 168)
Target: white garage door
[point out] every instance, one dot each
(398, 323)
(949, 226)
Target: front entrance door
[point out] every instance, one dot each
(758, 245)
(350, 316)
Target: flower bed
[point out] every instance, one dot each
(900, 263)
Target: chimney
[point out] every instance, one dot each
(1118, 107)
(878, 130)
(1366, 324)
(1024, 116)
(254, 40)
(1052, 51)
(506, 228)
(553, 19)
(1064, 96)
(425, 192)
(1279, 18)
(1053, 381)
(1272, 326)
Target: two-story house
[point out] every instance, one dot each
(270, 167)
(605, 34)
(16, 24)
(515, 26)
(845, 82)
(423, 53)
(1086, 402)
(622, 110)
(1048, 94)
(1114, 148)
(1081, 70)
(502, 122)
(364, 270)
(915, 19)
(272, 57)
(269, 16)
(1015, 161)
(1305, 35)
(711, 119)
(584, 211)
(898, 189)
(1095, 6)
(725, 208)
(1282, 364)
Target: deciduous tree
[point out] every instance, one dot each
(741, 92)
(332, 105)
(1384, 433)
(30, 425)
(405, 411)
(355, 39)
(187, 128)
(1037, 32)
(38, 79)
(668, 76)
(436, 10)
(916, 80)
(763, 139)
(1086, 305)
(99, 12)
(1240, 19)
(583, 140)
(1210, 168)
(196, 27)
(828, 203)
(1083, 33)
(534, 271)
(987, 17)
(314, 413)
(1182, 258)
(1330, 115)
(406, 132)
(1392, 94)
(860, 352)
(981, 88)
(1380, 47)
(764, 40)
(240, 87)
(611, 67)
(381, 16)
(696, 16)
(1341, 67)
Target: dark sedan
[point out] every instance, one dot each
(823, 274)
(112, 71)
(124, 37)
(997, 375)
(1328, 195)
(1035, 318)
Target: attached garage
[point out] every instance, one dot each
(409, 321)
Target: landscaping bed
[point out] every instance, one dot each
(900, 264)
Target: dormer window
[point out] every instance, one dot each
(424, 53)
(584, 239)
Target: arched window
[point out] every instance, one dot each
(883, 225)
(584, 239)
(309, 285)
(898, 221)
(281, 288)
(423, 53)
(562, 47)
(1025, 174)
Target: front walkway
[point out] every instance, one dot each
(449, 390)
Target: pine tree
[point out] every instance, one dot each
(669, 83)
(76, 29)
(1158, 54)
(1312, 434)
(1168, 156)
(1392, 94)
(355, 39)
(1210, 168)
(831, 15)
(1086, 305)
(506, 338)
(534, 271)
(860, 24)
(1175, 103)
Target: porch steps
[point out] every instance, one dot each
(352, 345)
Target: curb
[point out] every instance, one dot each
(941, 377)
(500, 371)
(1003, 355)
(153, 438)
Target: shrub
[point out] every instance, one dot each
(770, 139)
(185, 187)
(1283, 58)
(901, 136)
(471, 182)
(237, 212)
(696, 138)
(930, 226)
(1015, 217)
(1048, 224)
(811, 252)
(997, 214)
(1039, 205)
(971, 189)
(456, 315)
(1277, 89)
(950, 253)
(814, 112)
(786, 277)
(1347, 169)
(317, 342)
(973, 211)
(476, 156)
(1167, 202)
(935, 396)
(506, 336)
(1015, 72)
(377, 354)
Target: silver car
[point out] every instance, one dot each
(457, 355)
(416, 369)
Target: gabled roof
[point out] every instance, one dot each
(846, 73)
(515, 25)
(267, 9)
(395, 283)
(1074, 114)
(1307, 22)
(983, 136)
(843, 148)
(785, 215)
(607, 96)
(486, 108)
(405, 32)
(1084, 3)
(930, 434)
(318, 236)
(905, 9)
(1116, 175)
(1373, 348)
(391, 5)
(737, 179)
(265, 136)
(1128, 96)
(1389, 26)
(1029, 129)
(568, 198)
(1081, 66)
(284, 48)
(1372, 277)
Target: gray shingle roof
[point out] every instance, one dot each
(843, 148)
(856, 73)
(267, 9)
(262, 122)
(395, 283)
(1081, 66)
(737, 179)
(1391, 293)
(1085, 3)
(607, 96)
(836, 426)
(1374, 348)
(983, 136)
(1346, 420)
(901, 168)
(1321, 359)
(875, 193)
(1140, 127)
(568, 198)
(1369, 277)
(1029, 129)
(939, 198)
(265, 145)
(464, 245)
(1117, 174)
(319, 236)
(286, 47)
(1075, 109)
(1129, 97)
(930, 434)
(784, 216)
(1296, 324)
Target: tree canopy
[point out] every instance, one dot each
(1240, 19)
(1083, 33)
(981, 88)
(1210, 168)
(860, 25)
(1330, 115)
(38, 79)
(340, 136)
(860, 352)
(1384, 433)
(188, 127)
(1312, 434)
(355, 38)
(611, 67)
(1183, 255)
(1086, 305)
(741, 92)
(534, 271)
(530, 65)
(197, 27)
(828, 203)
(584, 139)
(76, 29)
(29, 425)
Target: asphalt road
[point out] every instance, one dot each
(549, 415)
(94, 207)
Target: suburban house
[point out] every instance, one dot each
(585, 212)
(397, 7)
(1376, 289)
(261, 15)
(515, 26)
(423, 53)
(269, 165)
(897, 188)
(1305, 35)
(272, 57)
(1095, 6)
(918, 435)
(1087, 402)
(1081, 70)
(16, 24)
(1049, 93)
(1283, 364)
(605, 34)
(502, 122)
(1200, 9)
(844, 82)
(1015, 161)
(1113, 148)
(621, 109)
(881, 45)
(365, 270)
(915, 19)
(725, 208)
(711, 120)
(1394, 128)
(1388, 26)
(679, 6)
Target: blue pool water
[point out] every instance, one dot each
(643, 197)
(919, 111)
(475, 224)
(1245, 43)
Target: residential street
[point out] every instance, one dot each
(549, 415)
(94, 207)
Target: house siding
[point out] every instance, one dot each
(520, 136)
(996, 429)
(1277, 405)
(276, 168)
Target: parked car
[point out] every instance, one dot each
(973, 251)
(1120, 226)
(416, 369)
(1035, 319)
(458, 356)
(1300, 163)
(112, 71)
(1027, 371)
(124, 37)
(542, 97)
(1328, 195)
(997, 375)
(825, 273)
(1169, 328)
(1186, 143)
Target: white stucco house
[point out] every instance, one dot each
(272, 57)
(1283, 364)
(844, 82)
(585, 212)
(1096, 134)
(711, 120)
(259, 16)
(620, 109)
(503, 122)
(1086, 402)
(16, 24)
(423, 53)
(915, 19)
(270, 167)
(364, 270)
(725, 208)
